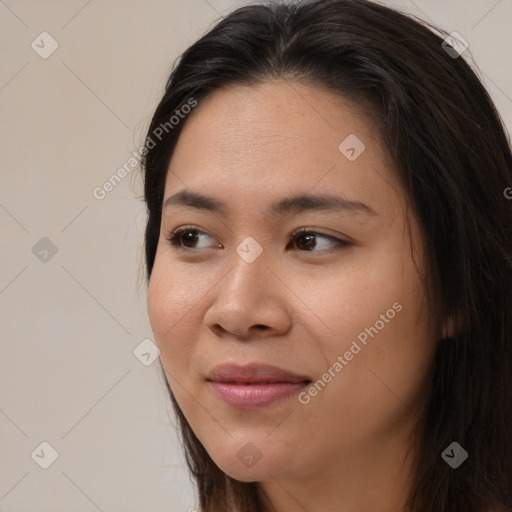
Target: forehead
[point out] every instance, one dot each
(276, 115)
(249, 142)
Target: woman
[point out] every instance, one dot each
(328, 253)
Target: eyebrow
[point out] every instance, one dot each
(288, 205)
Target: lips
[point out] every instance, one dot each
(254, 385)
(254, 373)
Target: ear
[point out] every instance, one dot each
(450, 329)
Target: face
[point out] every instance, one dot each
(332, 294)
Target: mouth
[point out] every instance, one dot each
(255, 385)
(253, 373)
(259, 382)
(255, 395)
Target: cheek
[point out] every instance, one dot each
(389, 352)
(173, 292)
(170, 302)
(378, 312)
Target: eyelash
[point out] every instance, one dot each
(175, 240)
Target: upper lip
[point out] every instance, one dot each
(253, 372)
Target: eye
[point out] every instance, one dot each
(186, 237)
(305, 239)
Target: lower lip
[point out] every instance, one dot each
(253, 396)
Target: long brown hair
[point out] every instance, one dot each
(453, 158)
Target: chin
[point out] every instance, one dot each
(249, 465)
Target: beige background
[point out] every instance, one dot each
(70, 324)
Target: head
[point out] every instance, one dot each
(393, 303)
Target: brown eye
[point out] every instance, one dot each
(189, 238)
(186, 238)
(307, 240)
(304, 240)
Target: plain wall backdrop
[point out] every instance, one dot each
(74, 396)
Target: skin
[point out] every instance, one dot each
(350, 448)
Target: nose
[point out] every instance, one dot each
(249, 302)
